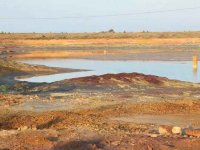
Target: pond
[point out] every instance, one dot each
(178, 70)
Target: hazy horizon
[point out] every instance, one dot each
(2, 32)
(15, 14)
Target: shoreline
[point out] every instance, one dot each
(137, 55)
(112, 111)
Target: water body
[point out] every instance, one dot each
(178, 70)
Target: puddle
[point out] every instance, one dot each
(178, 70)
(181, 120)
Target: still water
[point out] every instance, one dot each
(178, 70)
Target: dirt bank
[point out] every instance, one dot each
(10, 69)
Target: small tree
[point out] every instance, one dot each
(43, 36)
(111, 31)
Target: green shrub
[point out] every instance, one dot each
(3, 88)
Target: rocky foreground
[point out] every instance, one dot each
(123, 111)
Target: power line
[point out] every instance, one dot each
(102, 16)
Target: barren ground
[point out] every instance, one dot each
(122, 111)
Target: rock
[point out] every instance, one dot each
(59, 94)
(4, 133)
(153, 135)
(62, 100)
(33, 127)
(6, 106)
(165, 130)
(24, 128)
(149, 147)
(92, 146)
(193, 132)
(177, 130)
(115, 143)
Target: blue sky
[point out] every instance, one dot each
(188, 20)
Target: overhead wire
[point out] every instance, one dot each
(100, 16)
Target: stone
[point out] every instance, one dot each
(62, 100)
(33, 127)
(153, 135)
(4, 133)
(192, 132)
(115, 143)
(177, 130)
(24, 128)
(165, 130)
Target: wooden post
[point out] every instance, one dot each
(195, 62)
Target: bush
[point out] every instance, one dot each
(43, 36)
(111, 31)
(3, 88)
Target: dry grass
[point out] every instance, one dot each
(108, 35)
(43, 41)
(106, 38)
(82, 42)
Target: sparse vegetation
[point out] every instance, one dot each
(111, 31)
(110, 34)
(3, 88)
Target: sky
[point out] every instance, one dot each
(15, 15)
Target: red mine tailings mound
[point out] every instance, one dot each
(121, 78)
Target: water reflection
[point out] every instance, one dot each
(171, 69)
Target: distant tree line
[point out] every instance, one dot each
(4, 32)
(108, 31)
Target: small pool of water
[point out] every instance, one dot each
(178, 70)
